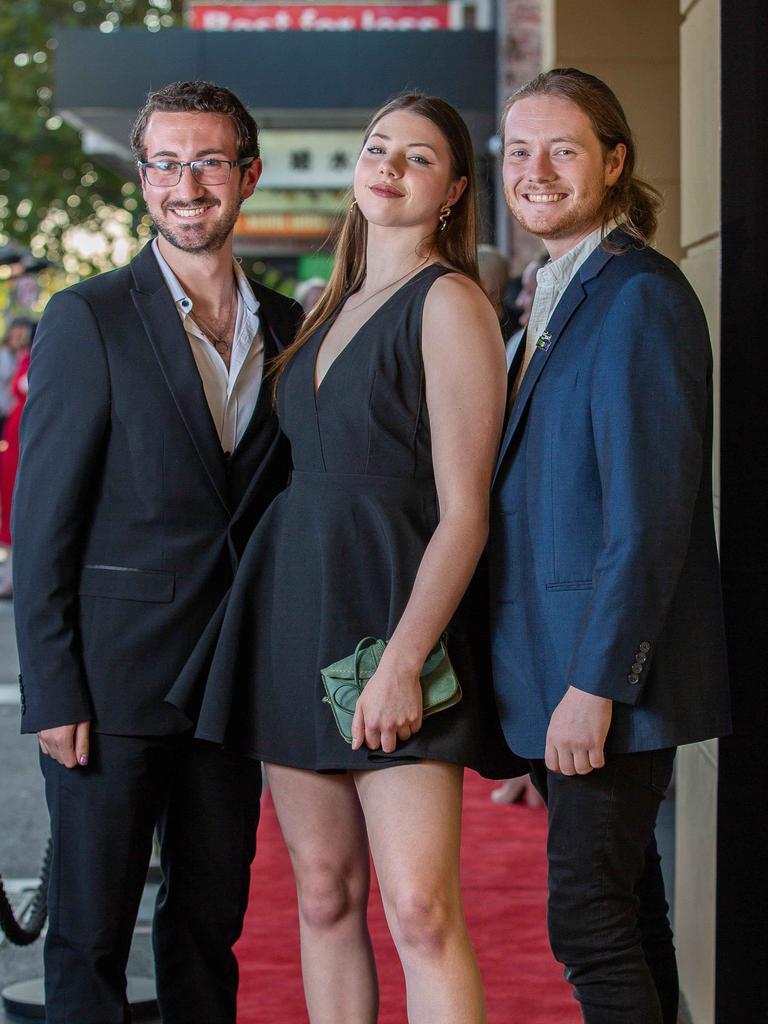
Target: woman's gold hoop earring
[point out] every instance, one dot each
(353, 205)
(445, 213)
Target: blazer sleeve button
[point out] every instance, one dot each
(645, 646)
(637, 668)
(632, 678)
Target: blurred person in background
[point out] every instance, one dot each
(308, 293)
(493, 267)
(393, 406)
(149, 450)
(523, 306)
(15, 341)
(13, 354)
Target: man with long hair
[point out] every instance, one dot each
(149, 450)
(608, 634)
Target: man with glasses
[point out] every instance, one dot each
(149, 450)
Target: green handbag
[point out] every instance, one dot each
(344, 681)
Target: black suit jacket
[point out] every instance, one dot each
(128, 519)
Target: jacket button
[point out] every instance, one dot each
(632, 678)
(641, 657)
(637, 667)
(645, 647)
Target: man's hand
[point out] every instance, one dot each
(577, 731)
(67, 744)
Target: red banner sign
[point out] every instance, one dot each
(306, 18)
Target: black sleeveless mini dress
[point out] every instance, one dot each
(335, 557)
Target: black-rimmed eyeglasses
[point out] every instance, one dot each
(210, 171)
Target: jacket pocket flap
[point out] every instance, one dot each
(570, 585)
(127, 584)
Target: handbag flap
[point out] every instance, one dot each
(440, 687)
(435, 658)
(369, 662)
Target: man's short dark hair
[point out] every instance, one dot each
(201, 98)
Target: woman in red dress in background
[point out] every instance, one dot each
(9, 461)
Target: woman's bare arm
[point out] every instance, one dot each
(465, 372)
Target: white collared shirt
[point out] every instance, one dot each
(231, 393)
(551, 282)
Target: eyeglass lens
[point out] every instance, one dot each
(206, 172)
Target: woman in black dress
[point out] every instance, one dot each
(392, 398)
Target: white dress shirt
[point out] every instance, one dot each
(551, 282)
(231, 393)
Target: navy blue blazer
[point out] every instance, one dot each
(128, 519)
(602, 556)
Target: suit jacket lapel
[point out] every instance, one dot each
(277, 331)
(263, 407)
(572, 298)
(171, 346)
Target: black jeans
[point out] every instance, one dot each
(607, 913)
(205, 805)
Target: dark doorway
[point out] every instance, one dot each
(742, 879)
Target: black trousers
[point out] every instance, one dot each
(607, 913)
(205, 805)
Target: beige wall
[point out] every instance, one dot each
(695, 918)
(634, 47)
(520, 60)
(661, 57)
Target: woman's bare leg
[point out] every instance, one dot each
(413, 817)
(324, 830)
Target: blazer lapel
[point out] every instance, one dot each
(572, 298)
(171, 346)
(263, 407)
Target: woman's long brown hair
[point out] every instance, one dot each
(456, 245)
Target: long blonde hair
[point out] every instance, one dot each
(456, 245)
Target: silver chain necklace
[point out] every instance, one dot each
(222, 342)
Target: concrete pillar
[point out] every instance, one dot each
(661, 58)
(520, 60)
(696, 833)
(634, 47)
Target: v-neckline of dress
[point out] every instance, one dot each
(316, 388)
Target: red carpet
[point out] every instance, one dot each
(503, 874)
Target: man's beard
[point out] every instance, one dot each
(207, 243)
(570, 223)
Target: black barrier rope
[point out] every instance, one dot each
(24, 935)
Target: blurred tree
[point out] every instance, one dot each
(52, 198)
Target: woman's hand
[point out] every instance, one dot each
(388, 709)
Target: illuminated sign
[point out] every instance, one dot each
(284, 225)
(308, 159)
(290, 213)
(211, 17)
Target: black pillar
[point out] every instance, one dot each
(742, 875)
